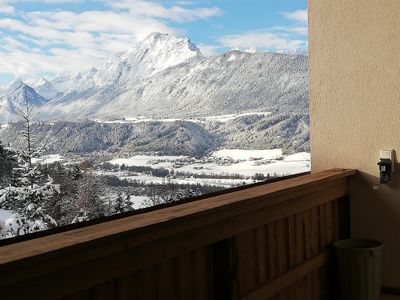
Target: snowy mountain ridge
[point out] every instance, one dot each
(155, 53)
(166, 76)
(44, 88)
(17, 95)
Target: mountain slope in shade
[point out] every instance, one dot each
(287, 132)
(17, 95)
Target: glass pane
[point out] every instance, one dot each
(113, 106)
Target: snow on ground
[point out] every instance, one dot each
(148, 160)
(4, 215)
(149, 179)
(238, 154)
(6, 218)
(226, 118)
(301, 156)
(250, 168)
(138, 201)
(142, 119)
(248, 163)
(48, 159)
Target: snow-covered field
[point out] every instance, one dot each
(226, 118)
(221, 118)
(48, 159)
(149, 161)
(224, 168)
(239, 154)
(149, 179)
(225, 162)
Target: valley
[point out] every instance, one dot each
(156, 124)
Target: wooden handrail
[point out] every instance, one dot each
(245, 200)
(138, 241)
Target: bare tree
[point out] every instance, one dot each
(27, 113)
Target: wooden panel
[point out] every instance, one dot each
(281, 246)
(290, 243)
(184, 277)
(272, 253)
(265, 241)
(284, 281)
(261, 252)
(276, 192)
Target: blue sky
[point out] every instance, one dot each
(46, 37)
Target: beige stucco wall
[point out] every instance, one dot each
(355, 109)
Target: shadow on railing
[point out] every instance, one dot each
(268, 241)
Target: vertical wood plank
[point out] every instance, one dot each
(344, 217)
(309, 287)
(322, 227)
(222, 279)
(316, 285)
(235, 269)
(183, 280)
(281, 246)
(166, 280)
(315, 237)
(308, 235)
(272, 251)
(261, 253)
(126, 287)
(291, 236)
(200, 273)
(245, 265)
(136, 288)
(150, 283)
(329, 223)
(253, 259)
(299, 246)
(336, 220)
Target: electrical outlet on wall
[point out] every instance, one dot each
(387, 154)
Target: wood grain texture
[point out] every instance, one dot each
(250, 242)
(291, 242)
(293, 276)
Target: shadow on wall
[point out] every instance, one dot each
(375, 214)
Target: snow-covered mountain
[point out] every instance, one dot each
(229, 83)
(165, 76)
(17, 95)
(44, 88)
(155, 53)
(79, 81)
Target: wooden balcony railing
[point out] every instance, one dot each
(266, 242)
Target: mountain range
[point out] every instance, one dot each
(165, 77)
